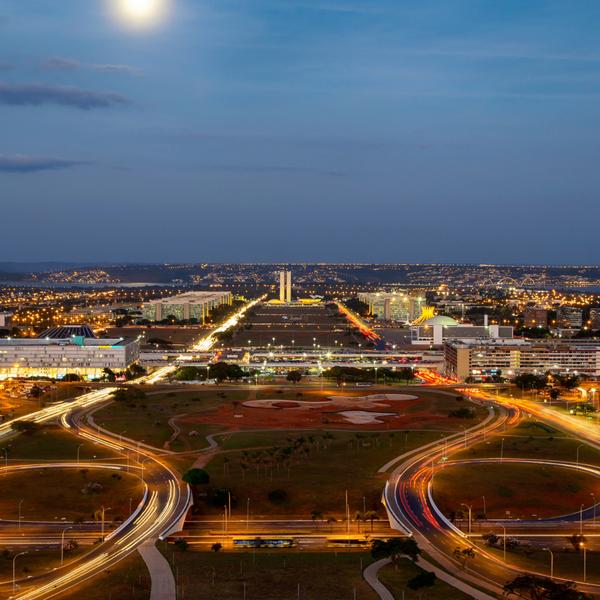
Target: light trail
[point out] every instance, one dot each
(358, 323)
(206, 343)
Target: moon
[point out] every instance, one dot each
(139, 14)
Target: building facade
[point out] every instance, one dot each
(393, 306)
(55, 358)
(534, 316)
(483, 359)
(192, 305)
(438, 329)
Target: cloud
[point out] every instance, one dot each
(19, 163)
(37, 94)
(57, 63)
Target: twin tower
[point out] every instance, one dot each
(285, 286)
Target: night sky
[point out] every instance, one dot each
(309, 130)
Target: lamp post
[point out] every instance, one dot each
(62, 544)
(503, 543)
(469, 509)
(121, 435)
(578, 447)
(551, 562)
(20, 503)
(502, 450)
(103, 511)
(581, 520)
(584, 563)
(484, 508)
(14, 587)
(78, 449)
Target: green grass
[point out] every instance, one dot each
(148, 421)
(318, 480)
(270, 575)
(53, 443)
(567, 563)
(396, 578)
(527, 491)
(68, 500)
(128, 579)
(532, 439)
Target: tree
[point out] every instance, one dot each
(294, 376)
(108, 374)
(316, 515)
(577, 541)
(536, 587)
(371, 515)
(195, 477)
(27, 427)
(71, 377)
(134, 371)
(129, 394)
(216, 547)
(395, 549)
(422, 580)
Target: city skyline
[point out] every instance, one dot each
(232, 131)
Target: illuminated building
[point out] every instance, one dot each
(570, 317)
(5, 319)
(57, 357)
(285, 286)
(438, 329)
(485, 358)
(393, 306)
(534, 316)
(191, 305)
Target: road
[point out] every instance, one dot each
(411, 508)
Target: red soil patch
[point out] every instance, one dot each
(317, 417)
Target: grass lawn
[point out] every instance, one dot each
(128, 579)
(53, 443)
(567, 563)
(318, 474)
(397, 578)
(527, 491)
(37, 561)
(269, 575)
(532, 439)
(149, 421)
(43, 499)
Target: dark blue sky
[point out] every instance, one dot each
(320, 130)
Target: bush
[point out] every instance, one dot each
(277, 496)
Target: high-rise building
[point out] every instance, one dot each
(594, 320)
(535, 316)
(570, 317)
(285, 286)
(393, 306)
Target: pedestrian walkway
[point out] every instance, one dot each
(161, 575)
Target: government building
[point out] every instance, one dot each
(53, 356)
(191, 305)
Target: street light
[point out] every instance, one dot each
(20, 503)
(551, 562)
(578, 447)
(503, 543)
(14, 567)
(62, 544)
(502, 450)
(103, 511)
(581, 520)
(469, 508)
(78, 449)
(584, 563)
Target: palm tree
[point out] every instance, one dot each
(371, 515)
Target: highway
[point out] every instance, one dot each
(411, 509)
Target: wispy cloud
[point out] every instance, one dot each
(37, 94)
(57, 63)
(20, 163)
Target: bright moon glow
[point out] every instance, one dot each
(139, 13)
